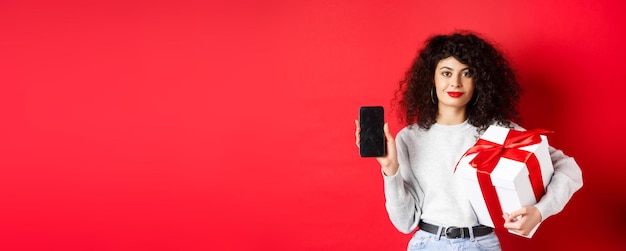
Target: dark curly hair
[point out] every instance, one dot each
(496, 92)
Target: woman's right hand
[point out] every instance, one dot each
(389, 162)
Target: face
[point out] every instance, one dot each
(454, 83)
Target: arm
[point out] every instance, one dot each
(566, 180)
(401, 188)
(401, 192)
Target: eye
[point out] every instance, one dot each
(467, 74)
(446, 74)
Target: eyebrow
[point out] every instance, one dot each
(450, 68)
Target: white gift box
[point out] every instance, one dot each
(509, 177)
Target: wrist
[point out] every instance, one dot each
(390, 170)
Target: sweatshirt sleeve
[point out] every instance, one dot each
(401, 192)
(566, 180)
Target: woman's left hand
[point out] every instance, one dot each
(523, 220)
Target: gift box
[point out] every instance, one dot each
(504, 171)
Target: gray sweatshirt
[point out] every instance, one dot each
(425, 187)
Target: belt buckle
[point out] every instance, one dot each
(448, 234)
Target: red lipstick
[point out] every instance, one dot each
(455, 94)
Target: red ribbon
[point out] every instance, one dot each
(489, 154)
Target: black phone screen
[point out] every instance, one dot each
(372, 120)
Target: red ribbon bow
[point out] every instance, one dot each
(489, 154)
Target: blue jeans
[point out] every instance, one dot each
(423, 240)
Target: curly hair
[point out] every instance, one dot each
(496, 92)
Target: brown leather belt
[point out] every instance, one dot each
(456, 232)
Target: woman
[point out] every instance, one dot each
(457, 86)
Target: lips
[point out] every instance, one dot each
(455, 94)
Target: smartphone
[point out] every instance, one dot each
(372, 120)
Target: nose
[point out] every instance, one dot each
(456, 82)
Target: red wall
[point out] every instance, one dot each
(191, 125)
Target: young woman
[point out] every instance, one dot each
(457, 86)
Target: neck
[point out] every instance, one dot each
(451, 116)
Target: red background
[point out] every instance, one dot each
(193, 125)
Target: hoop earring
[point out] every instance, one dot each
(475, 100)
(432, 91)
